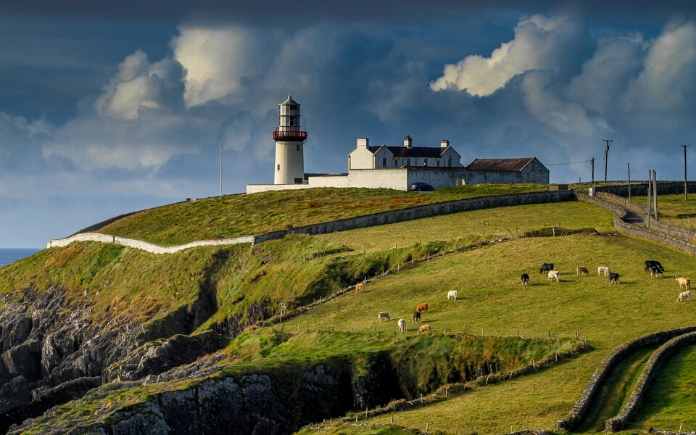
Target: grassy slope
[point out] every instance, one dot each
(492, 301)
(673, 209)
(237, 215)
(671, 400)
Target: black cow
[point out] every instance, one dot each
(524, 279)
(613, 278)
(653, 266)
(546, 267)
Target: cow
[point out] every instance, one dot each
(383, 315)
(653, 264)
(603, 270)
(684, 283)
(655, 271)
(452, 295)
(359, 287)
(423, 329)
(581, 270)
(416, 316)
(420, 308)
(402, 326)
(613, 278)
(684, 296)
(524, 279)
(554, 275)
(546, 267)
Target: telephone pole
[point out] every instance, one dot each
(592, 162)
(628, 166)
(686, 184)
(220, 167)
(607, 145)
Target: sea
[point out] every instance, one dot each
(8, 256)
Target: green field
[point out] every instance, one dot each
(238, 215)
(673, 209)
(492, 313)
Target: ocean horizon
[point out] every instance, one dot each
(10, 255)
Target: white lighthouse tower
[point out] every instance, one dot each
(289, 139)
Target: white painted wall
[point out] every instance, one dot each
(289, 162)
(361, 158)
(145, 246)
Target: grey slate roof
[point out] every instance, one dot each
(500, 165)
(427, 152)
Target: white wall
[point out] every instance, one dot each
(436, 177)
(361, 158)
(289, 162)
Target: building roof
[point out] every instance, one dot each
(500, 165)
(428, 152)
(289, 102)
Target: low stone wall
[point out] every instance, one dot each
(657, 359)
(423, 211)
(145, 246)
(641, 188)
(579, 411)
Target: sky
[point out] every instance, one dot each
(108, 107)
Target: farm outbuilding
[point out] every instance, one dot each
(520, 170)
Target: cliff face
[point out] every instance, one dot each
(53, 352)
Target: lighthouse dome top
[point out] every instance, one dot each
(289, 102)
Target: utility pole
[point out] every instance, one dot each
(654, 175)
(592, 161)
(628, 166)
(607, 145)
(649, 196)
(220, 167)
(686, 184)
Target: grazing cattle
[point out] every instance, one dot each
(581, 270)
(402, 325)
(653, 264)
(655, 271)
(554, 275)
(546, 267)
(603, 270)
(423, 329)
(524, 279)
(359, 287)
(683, 282)
(613, 278)
(416, 316)
(452, 295)
(684, 296)
(383, 315)
(421, 308)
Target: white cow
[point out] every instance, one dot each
(402, 326)
(684, 296)
(603, 270)
(452, 295)
(554, 274)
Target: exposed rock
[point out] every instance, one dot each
(24, 359)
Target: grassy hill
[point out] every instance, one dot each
(494, 319)
(238, 215)
(673, 209)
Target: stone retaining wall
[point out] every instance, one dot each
(657, 359)
(641, 188)
(423, 211)
(599, 377)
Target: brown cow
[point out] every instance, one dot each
(420, 308)
(359, 287)
(424, 329)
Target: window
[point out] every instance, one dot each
(449, 161)
(278, 168)
(425, 162)
(298, 148)
(384, 162)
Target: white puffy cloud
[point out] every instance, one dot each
(538, 43)
(140, 85)
(666, 81)
(216, 60)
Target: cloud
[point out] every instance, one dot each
(538, 44)
(140, 85)
(216, 60)
(666, 80)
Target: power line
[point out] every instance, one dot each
(578, 162)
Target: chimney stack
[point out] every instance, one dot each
(362, 142)
(408, 142)
(444, 143)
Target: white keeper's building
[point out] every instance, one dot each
(389, 166)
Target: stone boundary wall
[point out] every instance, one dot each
(599, 377)
(653, 365)
(423, 211)
(382, 218)
(655, 233)
(641, 188)
(145, 246)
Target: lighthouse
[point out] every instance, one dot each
(289, 140)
